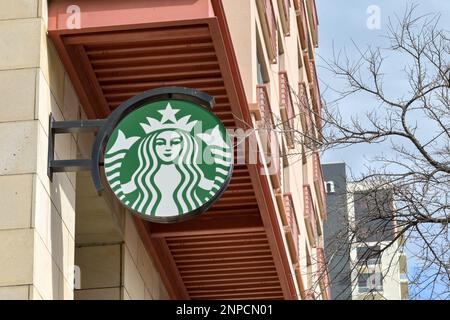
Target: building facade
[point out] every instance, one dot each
(378, 270)
(337, 246)
(362, 262)
(76, 60)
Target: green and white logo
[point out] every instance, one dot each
(168, 159)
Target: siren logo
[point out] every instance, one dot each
(168, 159)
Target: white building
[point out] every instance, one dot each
(375, 275)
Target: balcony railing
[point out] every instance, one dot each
(314, 82)
(403, 265)
(404, 291)
(310, 296)
(324, 279)
(287, 109)
(309, 215)
(301, 285)
(269, 25)
(291, 228)
(315, 95)
(307, 66)
(319, 184)
(271, 148)
(305, 113)
(313, 21)
(292, 232)
(302, 25)
(284, 6)
(262, 109)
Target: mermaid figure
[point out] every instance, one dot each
(168, 173)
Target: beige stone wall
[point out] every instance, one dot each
(122, 271)
(37, 217)
(111, 257)
(239, 13)
(140, 278)
(38, 225)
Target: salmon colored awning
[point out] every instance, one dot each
(122, 48)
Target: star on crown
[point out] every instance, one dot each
(168, 121)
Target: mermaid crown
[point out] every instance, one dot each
(168, 121)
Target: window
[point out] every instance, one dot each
(304, 166)
(299, 56)
(310, 50)
(301, 76)
(260, 73)
(309, 271)
(280, 45)
(369, 282)
(286, 171)
(261, 67)
(329, 187)
(269, 28)
(368, 255)
(281, 62)
(318, 230)
(281, 55)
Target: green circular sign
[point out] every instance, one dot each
(168, 160)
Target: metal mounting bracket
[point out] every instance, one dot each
(67, 127)
(104, 128)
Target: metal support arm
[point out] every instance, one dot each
(65, 127)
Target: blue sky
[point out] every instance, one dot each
(342, 22)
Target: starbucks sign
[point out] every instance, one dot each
(168, 159)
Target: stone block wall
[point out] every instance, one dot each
(37, 216)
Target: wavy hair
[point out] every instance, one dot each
(148, 193)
